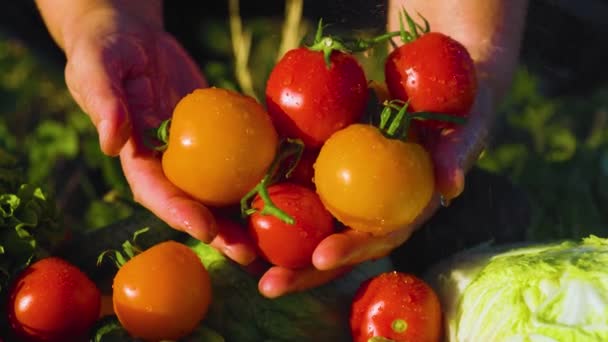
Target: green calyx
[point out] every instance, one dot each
(395, 120)
(415, 29)
(130, 248)
(289, 148)
(328, 44)
(159, 135)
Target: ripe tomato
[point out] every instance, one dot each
(220, 145)
(435, 73)
(372, 183)
(398, 307)
(162, 293)
(52, 300)
(309, 100)
(284, 244)
(304, 172)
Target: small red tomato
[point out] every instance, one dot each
(52, 300)
(398, 307)
(435, 73)
(310, 100)
(304, 172)
(290, 245)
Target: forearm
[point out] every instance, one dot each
(491, 30)
(61, 16)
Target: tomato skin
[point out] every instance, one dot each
(162, 293)
(288, 245)
(435, 73)
(304, 172)
(392, 296)
(52, 300)
(371, 183)
(220, 145)
(310, 101)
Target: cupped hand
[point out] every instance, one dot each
(127, 75)
(453, 152)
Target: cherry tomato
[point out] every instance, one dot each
(398, 307)
(162, 293)
(435, 73)
(290, 245)
(304, 172)
(309, 100)
(52, 300)
(220, 145)
(372, 183)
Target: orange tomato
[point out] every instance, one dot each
(221, 144)
(162, 293)
(372, 183)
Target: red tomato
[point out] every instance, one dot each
(396, 306)
(289, 245)
(52, 300)
(309, 100)
(304, 172)
(435, 73)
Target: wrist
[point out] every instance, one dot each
(65, 25)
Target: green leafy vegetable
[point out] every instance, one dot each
(30, 226)
(541, 292)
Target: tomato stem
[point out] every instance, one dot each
(287, 148)
(401, 121)
(161, 134)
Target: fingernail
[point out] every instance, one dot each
(103, 129)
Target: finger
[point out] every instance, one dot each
(233, 241)
(279, 281)
(351, 247)
(454, 151)
(155, 192)
(97, 91)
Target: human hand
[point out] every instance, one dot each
(127, 74)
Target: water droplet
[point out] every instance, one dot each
(445, 202)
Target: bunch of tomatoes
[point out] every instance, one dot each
(312, 161)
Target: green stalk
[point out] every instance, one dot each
(295, 148)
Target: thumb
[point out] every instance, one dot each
(98, 91)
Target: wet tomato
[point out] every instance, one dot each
(304, 172)
(162, 293)
(309, 100)
(372, 183)
(290, 245)
(397, 307)
(220, 145)
(52, 300)
(435, 73)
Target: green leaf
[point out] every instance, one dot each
(109, 329)
(8, 204)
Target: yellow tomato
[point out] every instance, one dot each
(372, 183)
(221, 144)
(162, 293)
